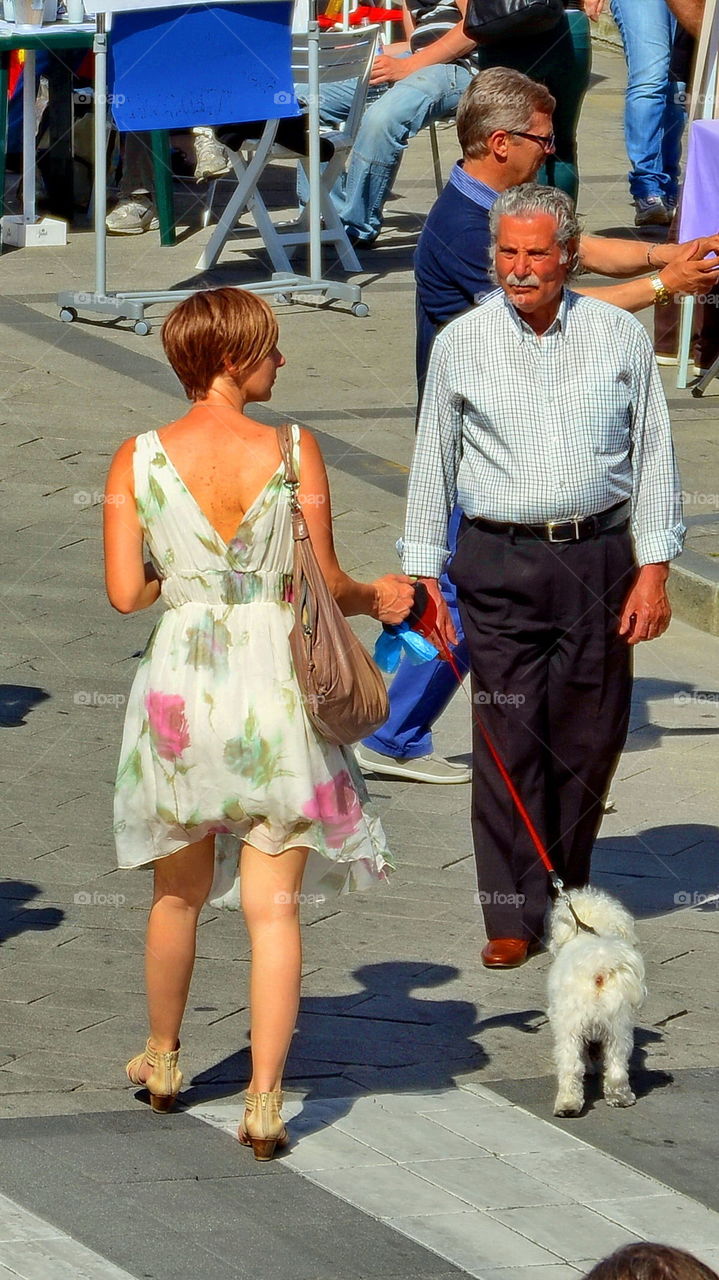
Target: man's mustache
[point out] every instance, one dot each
(532, 281)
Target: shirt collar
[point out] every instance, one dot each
(475, 190)
(558, 325)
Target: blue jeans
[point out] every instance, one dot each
(393, 116)
(653, 115)
(419, 695)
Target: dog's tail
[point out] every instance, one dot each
(608, 970)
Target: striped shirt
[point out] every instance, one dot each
(525, 429)
(432, 19)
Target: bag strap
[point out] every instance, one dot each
(285, 439)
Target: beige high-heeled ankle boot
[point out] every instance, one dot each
(262, 1127)
(165, 1079)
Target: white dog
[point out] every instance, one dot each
(596, 986)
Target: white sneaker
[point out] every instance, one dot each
(131, 218)
(430, 768)
(211, 160)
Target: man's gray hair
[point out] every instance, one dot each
(528, 200)
(498, 98)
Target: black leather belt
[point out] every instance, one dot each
(579, 530)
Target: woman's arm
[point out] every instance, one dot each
(130, 583)
(389, 599)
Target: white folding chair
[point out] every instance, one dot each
(344, 55)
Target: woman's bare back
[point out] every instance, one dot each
(224, 458)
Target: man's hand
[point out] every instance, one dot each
(593, 8)
(388, 70)
(689, 270)
(646, 613)
(444, 634)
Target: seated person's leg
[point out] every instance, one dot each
(135, 211)
(388, 123)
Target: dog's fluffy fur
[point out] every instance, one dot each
(596, 986)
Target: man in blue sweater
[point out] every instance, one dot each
(504, 125)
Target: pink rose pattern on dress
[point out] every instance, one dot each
(335, 804)
(169, 730)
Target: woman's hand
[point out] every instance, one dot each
(394, 597)
(593, 8)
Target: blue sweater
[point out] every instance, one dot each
(451, 261)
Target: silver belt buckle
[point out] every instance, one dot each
(555, 524)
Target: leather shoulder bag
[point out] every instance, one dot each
(489, 20)
(343, 690)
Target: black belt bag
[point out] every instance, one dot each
(615, 518)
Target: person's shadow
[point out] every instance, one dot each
(382, 1039)
(16, 917)
(16, 701)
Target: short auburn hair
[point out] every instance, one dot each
(647, 1261)
(216, 330)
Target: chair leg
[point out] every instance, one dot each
(247, 178)
(162, 173)
(268, 231)
(436, 161)
(207, 211)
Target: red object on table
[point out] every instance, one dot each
(363, 13)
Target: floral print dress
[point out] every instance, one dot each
(216, 738)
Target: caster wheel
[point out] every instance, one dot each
(68, 314)
(142, 328)
(360, 309)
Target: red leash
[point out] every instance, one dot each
(423, 618)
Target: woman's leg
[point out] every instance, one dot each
(182, 883)
(270, 887)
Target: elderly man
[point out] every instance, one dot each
(544, 419)
(504, 124)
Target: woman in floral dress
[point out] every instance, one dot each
(218, 755)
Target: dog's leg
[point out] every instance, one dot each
(569, 1060)
(617, 1050)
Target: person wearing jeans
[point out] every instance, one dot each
(412, 83)
(654, 115)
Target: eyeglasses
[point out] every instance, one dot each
(545, 140)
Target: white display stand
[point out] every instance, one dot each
(131, 305)
(703, 107)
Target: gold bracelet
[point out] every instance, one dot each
(653, 265)
(662, 296)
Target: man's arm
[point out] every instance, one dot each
(689, 13)
(686, 269)
(656, 500)
(432, 488)
(448, 48)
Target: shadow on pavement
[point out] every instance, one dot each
(16, 701)
(15, 918)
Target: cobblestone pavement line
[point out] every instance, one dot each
(483, 1183)
(31, 1249)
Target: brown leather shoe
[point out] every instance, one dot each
(505, 953)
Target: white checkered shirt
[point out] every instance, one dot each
(525, 429)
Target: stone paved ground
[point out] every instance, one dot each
(395, 1001)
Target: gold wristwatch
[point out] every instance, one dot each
(662, 295)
